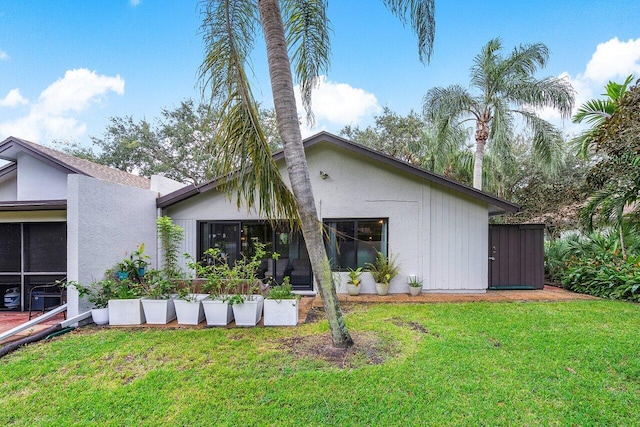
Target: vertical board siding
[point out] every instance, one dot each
(190, 241)
(458, 238)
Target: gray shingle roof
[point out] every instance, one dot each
(75, 164)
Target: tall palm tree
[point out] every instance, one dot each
(506, 89)
(596, 111)
(299, 29)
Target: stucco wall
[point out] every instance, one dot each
(9, 186)
(39, 181)
(436, 233)
(106, 222)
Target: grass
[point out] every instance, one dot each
(569, 363)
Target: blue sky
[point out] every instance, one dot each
(66, 66)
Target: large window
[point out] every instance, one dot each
(234, 239)
(352, 243)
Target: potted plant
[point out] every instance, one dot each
(415, 286)
(353, 284)
(189, 310)
(281, 306)
(125, 307)
(242, 278)
(139, 260)
(97, 293)
(383, 270)
(157, 303)
(217, 310)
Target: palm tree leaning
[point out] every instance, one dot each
(507, 89)
(300, 28)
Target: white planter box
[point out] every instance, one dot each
(125, 312)
(100, 316)
(217, 312)
(190, 312)
(280, 312)
(159, 311)
(249, 312)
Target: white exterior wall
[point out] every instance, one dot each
(39, 181)
(9, 187)
(105, 223)
(436, 233)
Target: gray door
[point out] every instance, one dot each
(516, 256)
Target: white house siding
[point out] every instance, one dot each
(39, 181)
(106, 222)
(9, 187)
(436, 233)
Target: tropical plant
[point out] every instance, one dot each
(415, 282)
(302, 28)
(617, 176)
(156, 285)
(126, 289)
(354, 276)
(384, 268)
(507, 89)
(97, 293)
(282, 291)
(596, 111)
(171, 236)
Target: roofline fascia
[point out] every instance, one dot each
(9, 142)
(33, 205)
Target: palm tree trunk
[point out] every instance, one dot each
(289, 129)
(482, 134)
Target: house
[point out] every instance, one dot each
(437, 228)
(61, 216)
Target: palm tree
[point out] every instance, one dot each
(507, 89)
(596, 111)
(301, 29)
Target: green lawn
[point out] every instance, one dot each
(567, 363)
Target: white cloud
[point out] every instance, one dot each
(54, 114)
(13, 99)
(336, 105)
(134, 3)
(3, 55)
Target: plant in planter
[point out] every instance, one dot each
(133, 267)
(97, 293)
(189, 310)
(281, 306)
(383, 270)
(125, 307)
(242, 277)
(217, 310)
(415, 285)
(157, 303)
(353, 284)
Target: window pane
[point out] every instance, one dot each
(369, 241)
(10, 248)
(45, 247)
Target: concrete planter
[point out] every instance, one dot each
(353, 289)
(126, 312)
(415, 290)
(280, 312)
(190, 312)
(217, 312)
(100, 316)
(159, 311)
(249, 312)
(382, 288)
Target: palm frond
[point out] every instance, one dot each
(595, 111)
(244, 155)
(547, 141)
(421, 14)
(553, 92)
(307, 28)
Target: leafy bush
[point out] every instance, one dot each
(604, 276)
